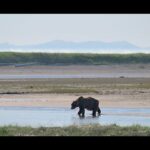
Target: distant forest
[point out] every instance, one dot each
(72, 58)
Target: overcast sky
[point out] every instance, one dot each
(38, 28)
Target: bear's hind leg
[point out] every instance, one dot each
(94, 113)
(99, 111)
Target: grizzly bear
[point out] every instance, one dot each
(86, 103)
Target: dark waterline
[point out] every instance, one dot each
(46, 116)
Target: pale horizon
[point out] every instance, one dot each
(26, 29)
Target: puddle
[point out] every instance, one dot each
(47, 116)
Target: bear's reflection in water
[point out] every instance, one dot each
(86, 120)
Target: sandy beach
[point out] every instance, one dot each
(65, 100)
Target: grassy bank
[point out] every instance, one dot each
(88, 130)
(68, 58)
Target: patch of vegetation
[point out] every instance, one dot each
(86, 130)
(73, 58)
(99, 86)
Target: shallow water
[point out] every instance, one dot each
(101, 75)
(46, 116)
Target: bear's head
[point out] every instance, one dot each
(76, 103)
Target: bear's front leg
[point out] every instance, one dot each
(83, 112)
(79, 113)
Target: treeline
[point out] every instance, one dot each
(69, 58)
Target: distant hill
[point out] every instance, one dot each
(76, 47)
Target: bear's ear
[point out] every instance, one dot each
(80, 98)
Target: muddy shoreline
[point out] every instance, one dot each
(111, 92)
